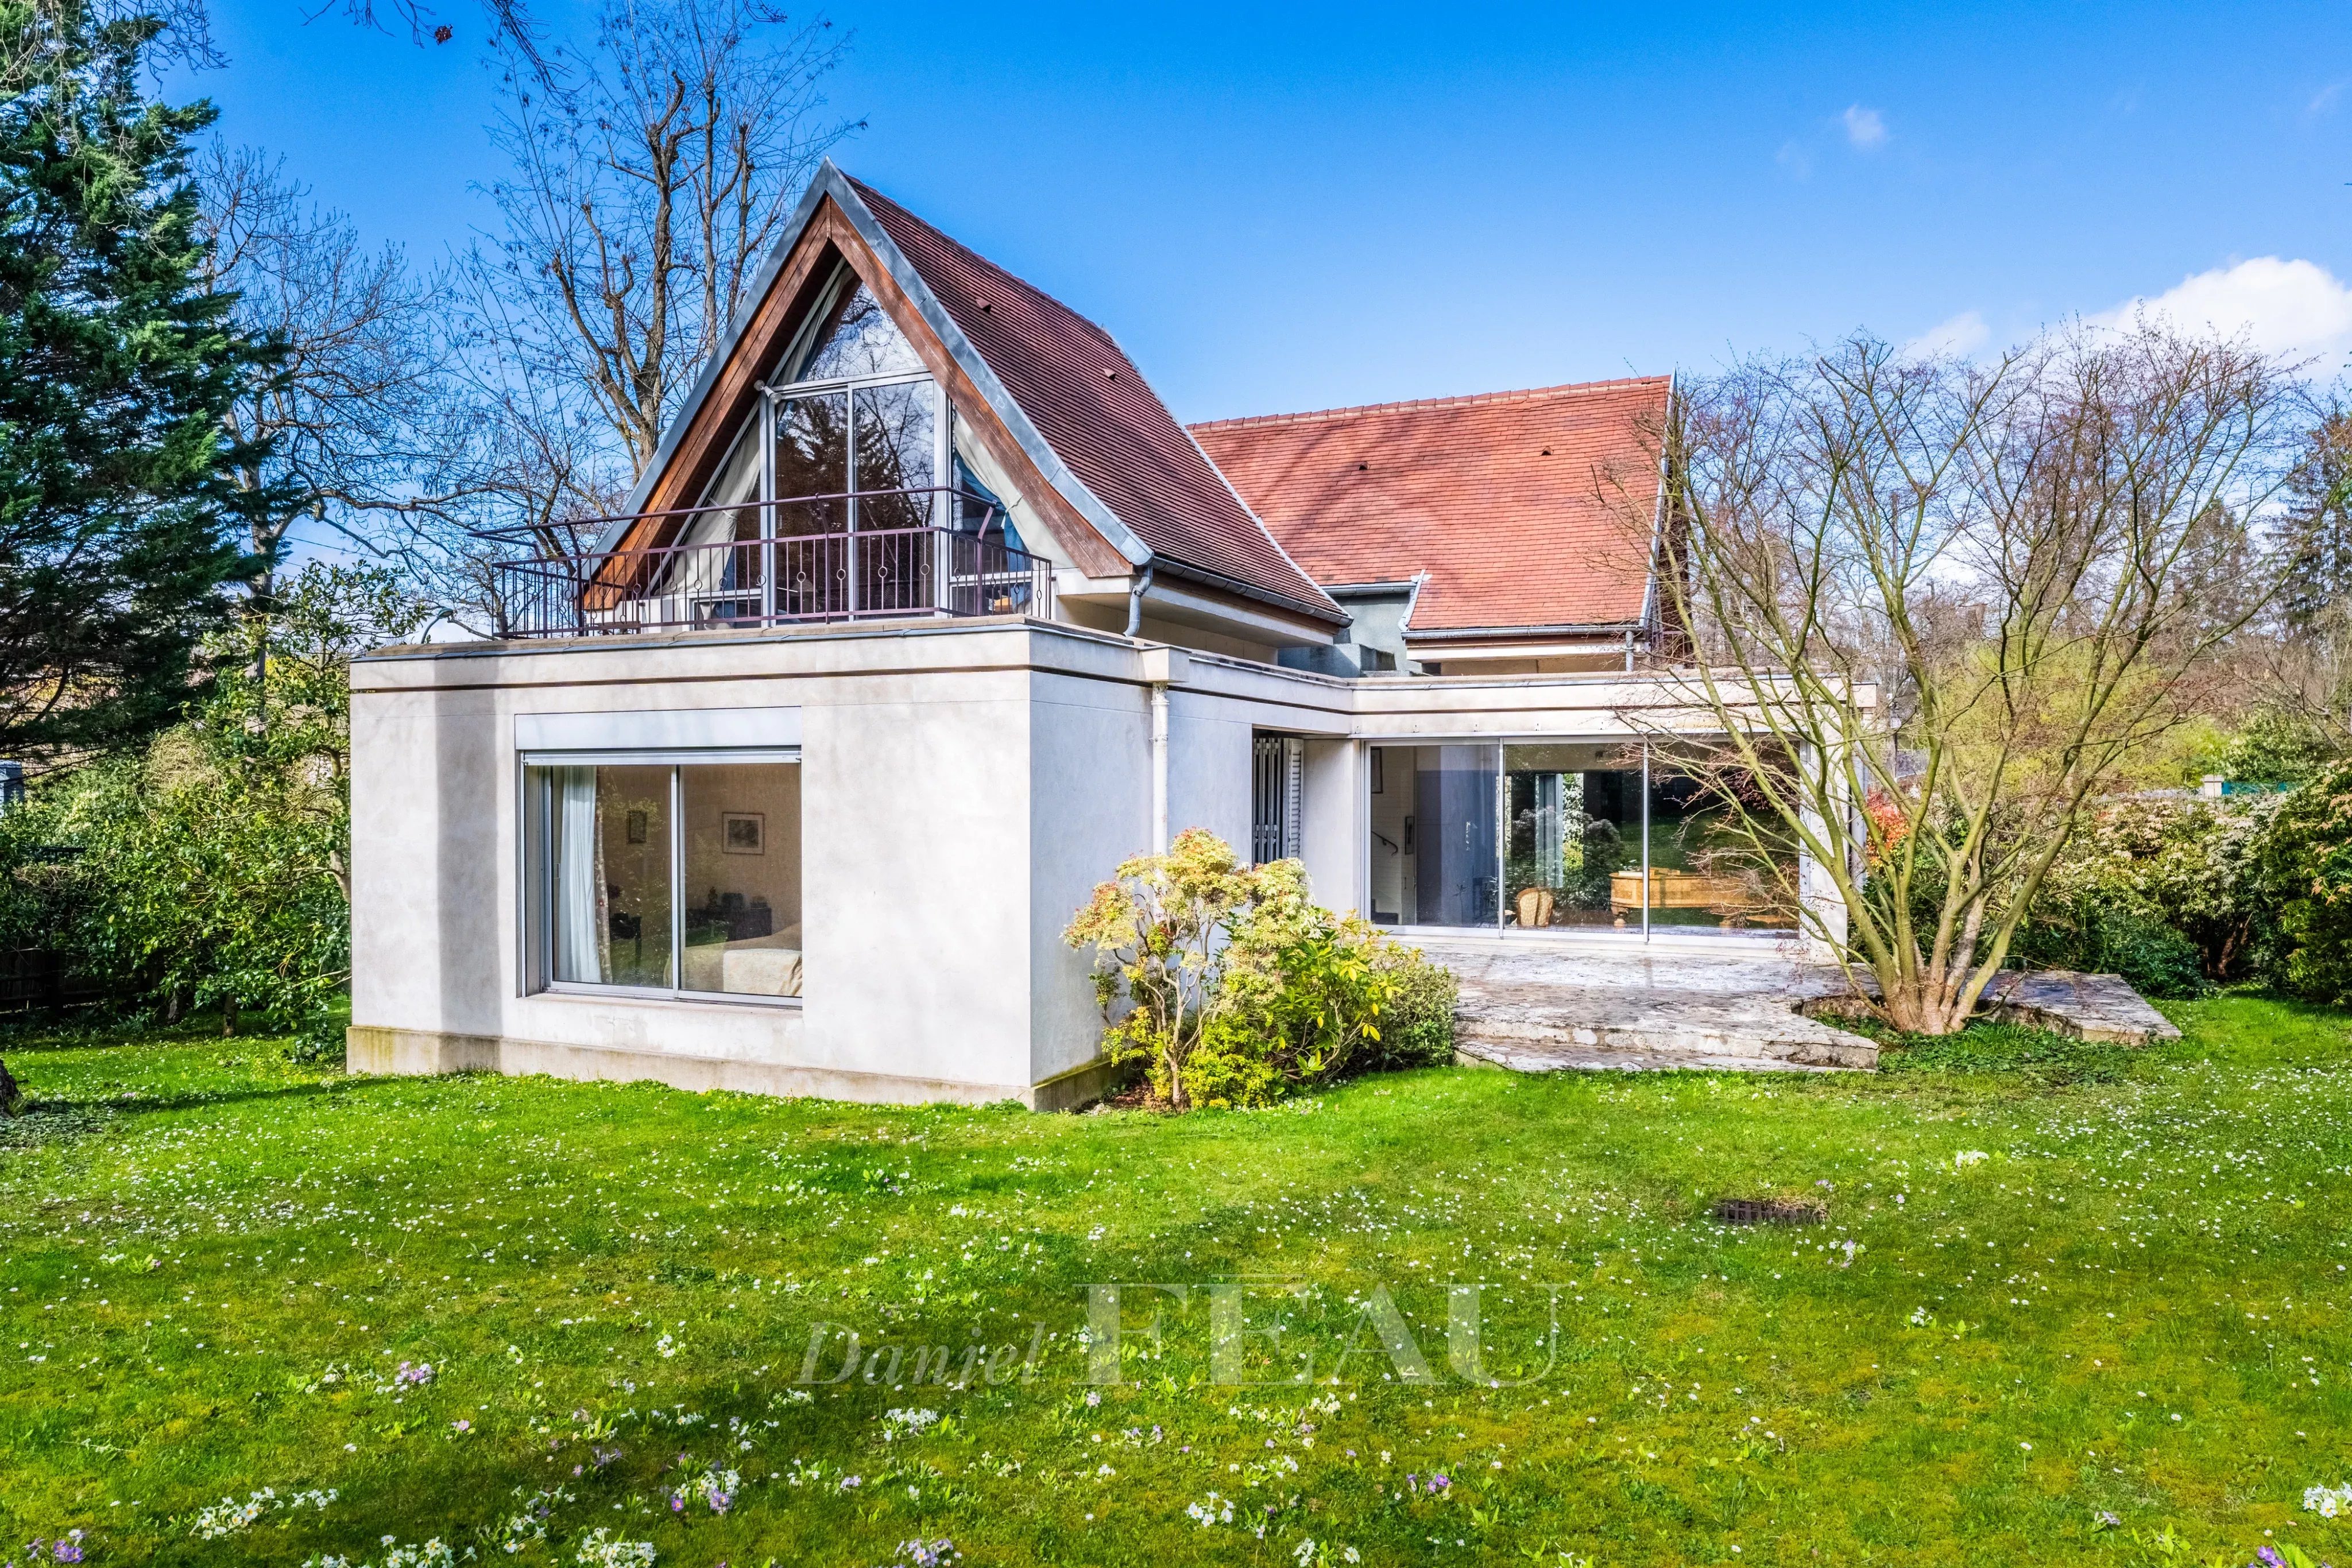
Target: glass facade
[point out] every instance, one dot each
(669, 877)
(1550, 834)
(1573, 816)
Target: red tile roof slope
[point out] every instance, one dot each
(1461, 488)
(1111, 430)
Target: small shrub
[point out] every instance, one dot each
(1417, 1024)
(2156, 960)
(1156, 931)
(2191, 867)
(1233, 988)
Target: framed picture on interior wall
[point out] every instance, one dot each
(1380, 774)
(743, 832)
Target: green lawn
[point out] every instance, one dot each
(2133, 1307)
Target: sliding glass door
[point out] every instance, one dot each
(1433, 834)
(1574, 816)
(1529, 835)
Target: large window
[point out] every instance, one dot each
(1529, 835)
(1573, 819)
(676, 877)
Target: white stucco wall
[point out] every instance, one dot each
(963, 786)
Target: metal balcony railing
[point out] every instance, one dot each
(859, 556)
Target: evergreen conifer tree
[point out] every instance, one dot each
(118, 528)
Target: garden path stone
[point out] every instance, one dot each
(1549, 1006)
(1545, 1007)
(2088, 1006)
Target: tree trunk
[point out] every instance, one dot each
(12, 1099)
(1916, 1006)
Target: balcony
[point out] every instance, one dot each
(872, 554)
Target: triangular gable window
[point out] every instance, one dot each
(854, 337)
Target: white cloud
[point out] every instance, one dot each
(2292, 308)
(1866, 128)
(1962, 335)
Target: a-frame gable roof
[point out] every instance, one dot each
(1059, 384)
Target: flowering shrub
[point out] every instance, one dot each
(1233, 987)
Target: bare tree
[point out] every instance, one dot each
(350, 424)
(650, 176)
(1934, 605)
(536, 457)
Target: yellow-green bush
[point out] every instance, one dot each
(1233, 987)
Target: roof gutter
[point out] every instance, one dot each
(1327, 612)
(1490, 634)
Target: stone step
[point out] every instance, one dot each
(1528, 1058)
(1527, 1026)
(1685, 1034)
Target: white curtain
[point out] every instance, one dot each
(580, 924)
(1028, 533)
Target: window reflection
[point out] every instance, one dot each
(1574, 816)
(898, 445)
(1551, 834)
(1707, 869)
(812, 459)
(855, 338)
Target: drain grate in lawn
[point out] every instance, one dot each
(1769, 1211)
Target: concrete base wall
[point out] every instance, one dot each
(401, 1052)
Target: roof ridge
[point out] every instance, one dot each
(1527, 394)
(1002, 272)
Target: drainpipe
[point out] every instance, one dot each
(1162, 667)
(1135, 601)
(1159, 769)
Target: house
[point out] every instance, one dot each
(927, 613)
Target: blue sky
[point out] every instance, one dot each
(1322, 206)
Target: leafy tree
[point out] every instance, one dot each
(213, 868)
(117, 363)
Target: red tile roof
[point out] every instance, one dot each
(1095, 411)
(1513, 504)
